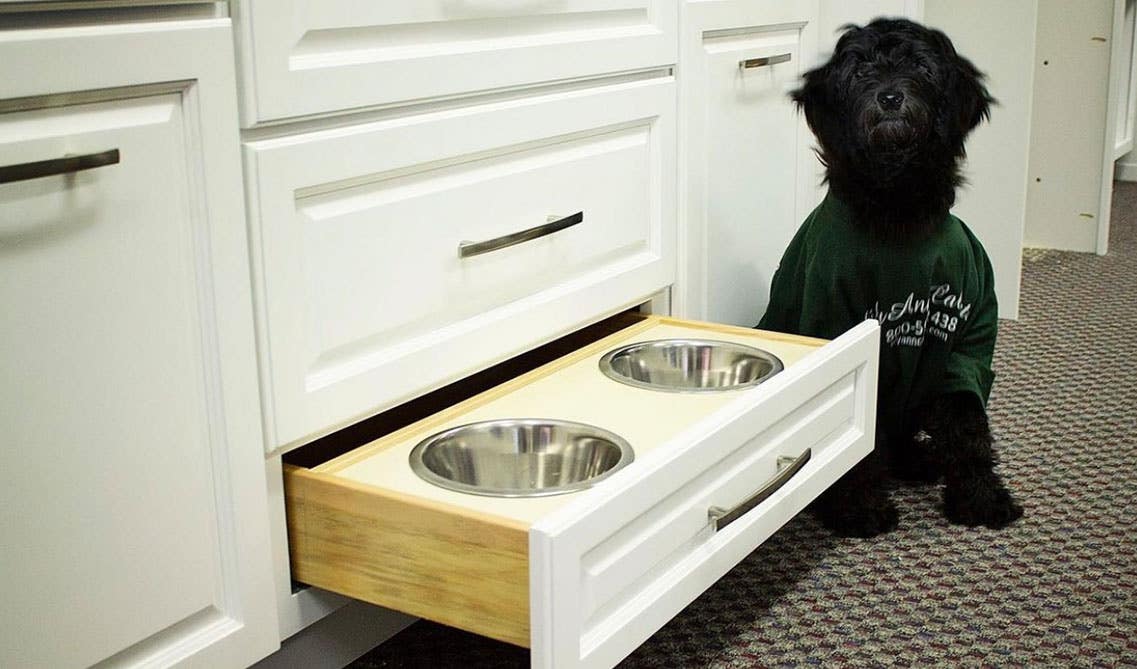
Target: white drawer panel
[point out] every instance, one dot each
(365, 300)
(305, 57)
(613, 566)
(613, 572)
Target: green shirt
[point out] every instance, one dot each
(934, 298)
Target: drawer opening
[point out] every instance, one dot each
(416, 561)
(379, 425)
(362, 523)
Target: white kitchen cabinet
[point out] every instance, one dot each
(748, 177)
(372, 285)
(379, 143)
(304, 57)
(132, 491)
(583, 578)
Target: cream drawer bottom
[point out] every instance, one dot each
(584, 578)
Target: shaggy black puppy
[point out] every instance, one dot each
(891, 110)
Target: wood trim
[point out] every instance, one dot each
(426, 559)
(800, 340)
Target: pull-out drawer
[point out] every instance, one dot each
(303, 57)
(583, 578)
(384, 254)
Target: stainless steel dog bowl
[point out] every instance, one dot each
(520, 458)
(689, 365)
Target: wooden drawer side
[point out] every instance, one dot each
(429, 560)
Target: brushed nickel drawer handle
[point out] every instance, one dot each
(762, 62)
(556, 223)
(787, 467)
(56, 166)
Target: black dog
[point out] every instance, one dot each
(891, 110)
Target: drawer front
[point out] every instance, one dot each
(365, 298)
(303, 57)
(614, 566)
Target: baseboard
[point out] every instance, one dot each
(338, 639)
(1125, 171)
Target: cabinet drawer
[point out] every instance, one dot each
(583, 578)
(365, 297)
(305, 57)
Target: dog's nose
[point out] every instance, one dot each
(890, 100)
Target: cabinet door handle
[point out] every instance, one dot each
(555, 223)
(787, 467)
(762, 62)
(55, 166)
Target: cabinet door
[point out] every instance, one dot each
(132, 494)
(748, 177)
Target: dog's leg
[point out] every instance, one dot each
(961, 437)
(858, 505)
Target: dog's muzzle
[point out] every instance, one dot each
(892, 119)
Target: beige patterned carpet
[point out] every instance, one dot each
(1057, 589)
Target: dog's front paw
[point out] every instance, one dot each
(877, 516)
(981, 500)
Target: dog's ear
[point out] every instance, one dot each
(816, 96)
(812, 97)
(965, 86)
(972, 96)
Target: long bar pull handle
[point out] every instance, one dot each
(750, 63)
(555, 224)
(787, 467)
(55, 166)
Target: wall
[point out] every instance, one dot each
(999, 38)
(1072, 139)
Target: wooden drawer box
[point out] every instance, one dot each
(364, 297)
(303, 57)
(583, 578)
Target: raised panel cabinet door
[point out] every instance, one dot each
(132, 494)
(747, 178)
(302, 57)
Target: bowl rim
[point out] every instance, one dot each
(419, 467)
(609, 371)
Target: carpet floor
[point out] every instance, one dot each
(1058, 588)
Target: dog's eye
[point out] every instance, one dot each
(861, 71)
